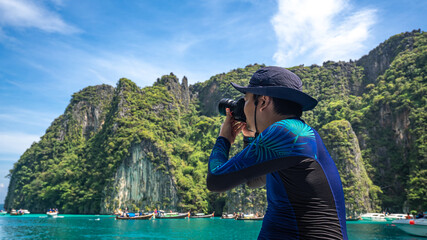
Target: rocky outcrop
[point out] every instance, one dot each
(343, 70)
(82, 119)
(246, 200)
(397, 121)
(143, 176)
(181, 92)
(140, 182)
(343, 146)
(89, 113)
(379, 59)
(209, 98)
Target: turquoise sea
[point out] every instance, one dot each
(39, 226)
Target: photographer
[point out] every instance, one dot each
(304, 190)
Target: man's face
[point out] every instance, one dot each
(249, 111)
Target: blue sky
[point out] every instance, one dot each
(50, 49)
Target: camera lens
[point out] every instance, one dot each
(226, 103)
(238, 111)
(236, 107)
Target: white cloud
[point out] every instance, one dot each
(1, 185)
(29, 14)
(16, 142)
(319, 31)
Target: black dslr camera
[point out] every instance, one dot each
(236, 108)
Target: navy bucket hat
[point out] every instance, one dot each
(279, 83)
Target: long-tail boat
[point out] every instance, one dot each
(202, 215)
(249, 218)
(172, 216)
(142, 217)
(228, 216)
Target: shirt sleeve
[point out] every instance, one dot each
(247, 141)
(257, 182)
(281, 145)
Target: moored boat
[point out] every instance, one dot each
(3, 212)
(376, 217)
(202, 215)
(249, 218)
(52, 213)
(172, 215)
(417, 227)
(141, 217)
(16, 213)
(395, 216)
(25, 211)
(228, 216)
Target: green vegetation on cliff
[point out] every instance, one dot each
(360, 193)
(51, 172)
(394, 125)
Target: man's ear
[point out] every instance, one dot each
(264, 102)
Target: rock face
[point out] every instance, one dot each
(392, 135)
(246, 200)
(46, 160)
(343, 146)
(210, 99)
(88, 115)
(379, 59)
(144, 179)
(181, 92)
(138, 182)
(342, 70)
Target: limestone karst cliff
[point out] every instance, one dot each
(44, 171)
(138, 182)
(343, 146)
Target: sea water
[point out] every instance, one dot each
(39, 226)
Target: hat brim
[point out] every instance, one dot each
(306, 101)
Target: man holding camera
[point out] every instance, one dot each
(304, 190)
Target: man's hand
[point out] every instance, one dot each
(231, 128)
(246, 132)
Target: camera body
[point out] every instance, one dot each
(236, 108)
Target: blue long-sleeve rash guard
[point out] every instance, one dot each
(304, 190)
